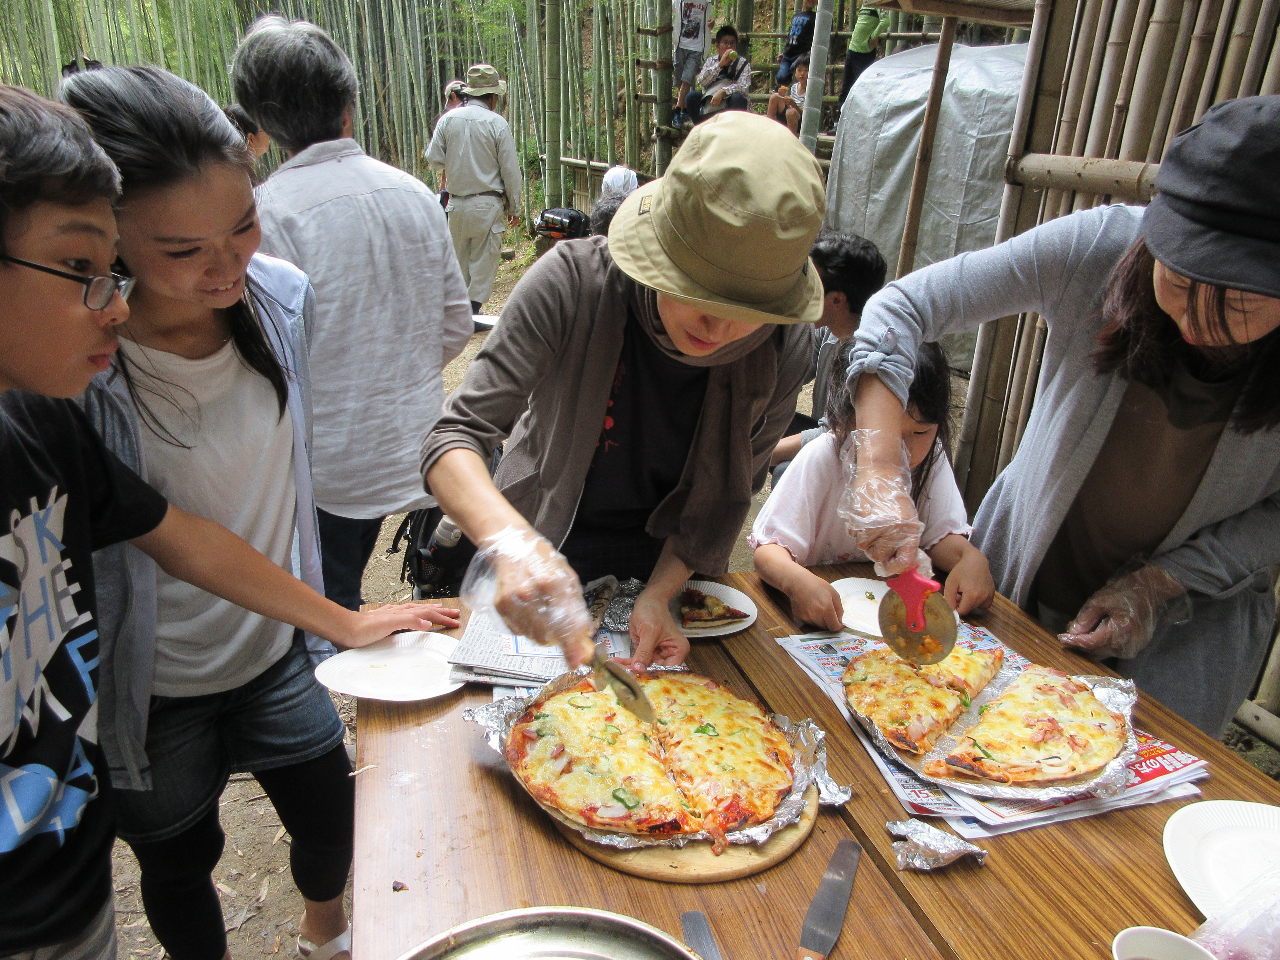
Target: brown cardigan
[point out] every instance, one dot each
(543, 378)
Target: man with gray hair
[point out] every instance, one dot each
(391, 305)
(474, 147)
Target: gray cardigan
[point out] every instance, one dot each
(1223, 544)
(543, 378)
(126, 577)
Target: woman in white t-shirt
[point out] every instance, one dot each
(800, 525)
(208, 401)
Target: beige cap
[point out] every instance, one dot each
(483, 80)
(729, 227)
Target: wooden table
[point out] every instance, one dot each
(438, 811)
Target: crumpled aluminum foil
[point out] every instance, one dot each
(925, 847)
(617, 619)
(807, 739)
(1114, 693)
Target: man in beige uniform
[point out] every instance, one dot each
(473, 145)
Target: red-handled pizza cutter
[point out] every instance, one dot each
(915, 619)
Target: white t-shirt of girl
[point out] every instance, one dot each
(238, 471)
(797, 94)
(800, 513)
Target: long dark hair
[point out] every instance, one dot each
(929, 396)
(161, 130)
(1141, 342)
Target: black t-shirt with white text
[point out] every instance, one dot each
(62, 496)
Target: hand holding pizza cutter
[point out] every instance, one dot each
(604, 672)
(915, 619)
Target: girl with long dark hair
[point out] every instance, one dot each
(208, 400)
(1141, 513)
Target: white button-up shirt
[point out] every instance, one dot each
(475, 149)
(391, 311)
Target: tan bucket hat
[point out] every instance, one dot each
(729, 227)
(483, 80)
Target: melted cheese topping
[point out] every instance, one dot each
(1045, 726)
(910, 711)
(967, 671)
(614, 776)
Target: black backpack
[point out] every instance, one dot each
(563, 223)
(433, 571)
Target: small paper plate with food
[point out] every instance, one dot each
(704, 608)
(404, 667)
(860, 597)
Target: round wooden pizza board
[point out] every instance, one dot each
(695, 863)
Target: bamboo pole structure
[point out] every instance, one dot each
(1168, 96)
(1263, 37)
(811, 119)
(662, 48)
(1271, 79)
(1220, 38)
(1128, 78)
(1128, 180)
(924, 154)
(1193, 68)
(1237, 50)
(610, 84)
(552, 184)
(1148, 85)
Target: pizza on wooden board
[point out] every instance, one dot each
(699, 610)
(1045, 726)
(911, 705)
(712, 761)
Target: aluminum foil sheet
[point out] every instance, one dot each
(807, 739)
(617, 619)
(1114, 693)
(925, 847)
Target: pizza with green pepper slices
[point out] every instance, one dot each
(712, 761)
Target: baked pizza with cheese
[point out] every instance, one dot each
(699, 611)
(712, 761)
(1045, 726)
(905, 706)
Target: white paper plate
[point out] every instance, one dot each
(1218, 847)
(403, 667)
(734, 598)
(861, 614)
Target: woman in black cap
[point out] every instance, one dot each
(1142, 510)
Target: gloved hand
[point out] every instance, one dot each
(876, 504)
(531, 587)
(1121, 618)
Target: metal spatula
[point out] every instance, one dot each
(605, 673)
(915, 619)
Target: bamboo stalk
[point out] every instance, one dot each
(1271, 79)
(1148, 84)
(1128, 77)
(1109, 78)
(1084, 30)
(1193, 70)
(1164, 115)
(1237, 52)
(1264, 36)
(553, 143)
(1093, 69)
(1094, 176)
(1220, 39)
(924, 154)
(610, 84)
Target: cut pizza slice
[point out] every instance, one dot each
(910, 711)
(1044, 727)
(966, 671)
(699, 610)
(731, 762)
(581, 753)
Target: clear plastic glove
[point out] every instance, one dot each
(876, 503)
(655, 637)
(519, 575)
(1121, 618)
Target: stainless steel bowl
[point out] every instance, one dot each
(552, 933)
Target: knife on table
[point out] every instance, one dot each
(606, 673)
(698, 935)
(826, 914)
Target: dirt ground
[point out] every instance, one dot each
(259, 903)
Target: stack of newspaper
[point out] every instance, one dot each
(1159, 772)
(490, 653)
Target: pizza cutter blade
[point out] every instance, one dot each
(915, 619)
(605, 673)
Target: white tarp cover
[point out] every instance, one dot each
(878, 136)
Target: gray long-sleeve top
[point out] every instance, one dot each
(1229, 535)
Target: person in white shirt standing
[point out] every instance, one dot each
(691, 46)
(391, 305)
(474, 147)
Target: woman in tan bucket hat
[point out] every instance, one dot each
(643, 380)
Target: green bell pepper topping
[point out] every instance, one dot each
(580, 702)
(708, 729)
(541, 716)
(985, 752)
(964, 699)
(626, 798)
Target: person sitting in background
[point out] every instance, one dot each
(258, 141)
(799, 41)
(787, 104)
(800, 525)
(617, 185)
(870, 26)
(725, 79)
(851, 269)
(375, 244)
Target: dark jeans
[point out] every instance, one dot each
(854, 64)
(696, 98)
(345, 547)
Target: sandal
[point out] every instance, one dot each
(326, 951)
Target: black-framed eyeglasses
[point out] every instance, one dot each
(98, 291)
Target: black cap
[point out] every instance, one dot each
(1216, 214)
